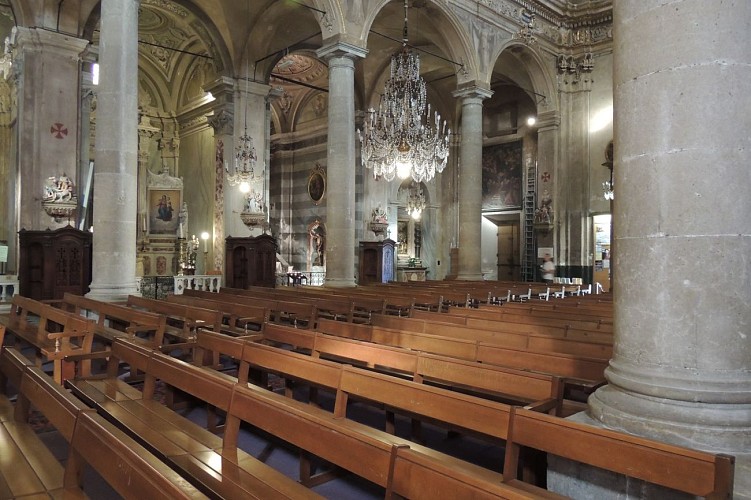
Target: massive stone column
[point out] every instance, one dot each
(341, 161)
(222, 121)
(681, 369)
(48, 70)
(115, 170)
(470, 183)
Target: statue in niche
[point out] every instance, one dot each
(317, 243)
(182, 219)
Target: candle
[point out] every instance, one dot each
(182, 235)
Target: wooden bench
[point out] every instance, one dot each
(53, 333)
(182, 320)
(695, 472)
(30, 468)
(525, 337)
(117, 321)
(543, 392)
(383, 459)
(190, 449)
(300, 315)
(239, 319)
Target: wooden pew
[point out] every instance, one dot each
(29, 467)
(541, 391)
(182, 320)
(300, 315)
(562, 342)
(239, 319)
(117, 321)
(188, 448)
(581, 375)
(372, 454)
(695, 472)
(53, 333)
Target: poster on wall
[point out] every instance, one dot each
(502, 176)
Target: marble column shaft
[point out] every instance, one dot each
(681, 369)
(115, 170)
(470, 183)
(341, 161)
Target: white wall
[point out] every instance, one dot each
(489, 253)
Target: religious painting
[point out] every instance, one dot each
(317, 184)
(164, 206)
(502, 176)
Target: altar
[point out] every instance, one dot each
(411, 274)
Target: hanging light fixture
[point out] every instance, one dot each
(402, 138)
(607, 186)
(245, 153)
(415, 201)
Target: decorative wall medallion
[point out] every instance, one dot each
(58, 130)
(317, 184)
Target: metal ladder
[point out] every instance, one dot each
(528, 259)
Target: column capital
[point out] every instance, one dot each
(341, 49)
(253, 88)
(472, 91)
(222, 88)
(222, 121)
(38, 40)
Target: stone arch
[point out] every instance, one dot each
(539, 73)
(445, 34)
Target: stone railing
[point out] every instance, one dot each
(8, 287)
(207, 283)
(296, 278)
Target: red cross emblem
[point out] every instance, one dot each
(58, 130)
(545, 177)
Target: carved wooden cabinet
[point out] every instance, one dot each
(377, 263)
(250, 261)
(54, 262)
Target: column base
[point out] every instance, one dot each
(112, 293)
(339, 283)
(719, 428)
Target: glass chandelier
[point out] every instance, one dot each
(415, 201)
(245, 161)
(403, 138)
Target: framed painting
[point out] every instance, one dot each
(502, 176)
(317, 184)
(164, 205)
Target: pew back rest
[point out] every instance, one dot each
(459, 410)
(56, 404)
(696, 472)
(197, 315)
(526, 386)
(129, 468)
(292, 365)
(53, 324)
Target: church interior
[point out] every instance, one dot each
(311, 151)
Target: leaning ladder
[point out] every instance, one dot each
(528, 260)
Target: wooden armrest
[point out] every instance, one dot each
(87, 356)
(544, 405)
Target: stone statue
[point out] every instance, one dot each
(58, 189)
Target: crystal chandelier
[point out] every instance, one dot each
(245, 161)
(415, 201)
(403, 138)
(607, 186)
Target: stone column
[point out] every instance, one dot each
(470, 183)
(681, 368)
(341, 160)
(48, 67)
(222, 121)
(116, 168)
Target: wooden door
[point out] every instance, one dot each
(509, 252)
